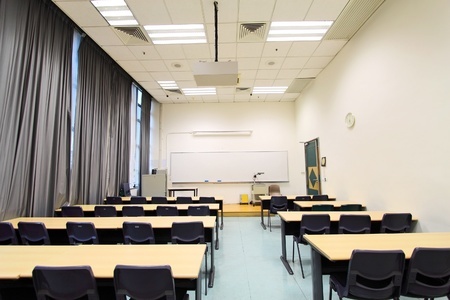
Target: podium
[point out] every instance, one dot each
(258, 189)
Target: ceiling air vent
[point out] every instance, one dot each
(243, 90)
(131, 35)
(174, 91)
(252, 32)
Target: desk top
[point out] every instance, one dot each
(114, 222)
(309, 204)
(195, 198)
(292, 197)
(340, 246)
(296, 216)
(19, 261)
(147, 207)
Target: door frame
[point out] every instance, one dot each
(312, 167)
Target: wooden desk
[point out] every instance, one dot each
(307, 205)
(265, 204)
(219, 200)
(18, 262)
(327, 251)
(291, 221)
(109, 229)
(173, 190)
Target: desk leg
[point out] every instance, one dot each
(217, 233)
(283, 248)
(212, 270)
(262, 216)
(316, 274)
(198, 289)
(221, 218)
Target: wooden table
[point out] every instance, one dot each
(291, 221)
(265, 204)
(334, 250)
(109, 229)
(173, 190)
(307, 205)
(18, 262)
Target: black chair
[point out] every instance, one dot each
(396, 222)
(319, 198)
(277, 203)
(310, 224)
(354, 224)
(33, 233)
(198, 210)
(302, 198)
(145, 282)
(184, 200)
(427, 274)
(132, 211)
(114, 200)
(203, 199)
(351, 207)
(166, 211)
(124, 189)
(81, 233)
(322, 207)
(105, 211)
(72, 211)
(64, 283)
(7, 234)
(159, 200)
(138, 233)
(190, 233)
(372, 274)
(138, 200)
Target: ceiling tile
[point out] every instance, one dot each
(119, 52)
(197, 51)
(177, 65)
(250, 49)
(185, 12)
(285, 73)
(291, 10)
(329, 48)
(154, 65)
(295, 62)
(248, 63)
(227, 11)
(256, 10)
(276, 49)
(82, 13)
(141, 76)
(144, 52)
(178, 76)
(170, 51)
(303, 48)
(227, 33)
(103, 36)
(266, 74)
(156, 15)
(309, 73)
(158, 76)
(318, 62)
(131, 65)
(325, 10)
(271, 63)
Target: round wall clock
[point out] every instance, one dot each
(350, 120)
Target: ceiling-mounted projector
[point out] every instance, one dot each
(216, 73)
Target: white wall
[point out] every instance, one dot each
(273, 126)
(394, 77)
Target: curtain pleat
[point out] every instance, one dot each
(35, 77)
(102, 132)
(145, 133)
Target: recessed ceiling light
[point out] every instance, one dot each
(298, 31)
(177, 34)
(168, 84)
(199, 91)
(269, 89)
(115, 12)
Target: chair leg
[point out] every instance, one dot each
(331, 290)
(206, 271)
(293, 242)
(300, 259)
(269, 221)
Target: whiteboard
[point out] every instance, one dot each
(238, 166)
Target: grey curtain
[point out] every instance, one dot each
(35, 77)
(101, 152)
(145, 133)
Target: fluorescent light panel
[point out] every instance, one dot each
(115, 12)
(269, 89)
(298, 31)
(177, 34)
(199, 91)
(168, 84)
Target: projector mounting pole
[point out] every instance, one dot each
(216, 35)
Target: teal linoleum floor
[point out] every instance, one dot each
(248, 264)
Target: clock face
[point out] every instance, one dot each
(350, 120)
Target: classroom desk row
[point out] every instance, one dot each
(219, 200)
(291, 221)
(332, 252)
(109, 230)
(18, 263)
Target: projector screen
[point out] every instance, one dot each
(237, 166)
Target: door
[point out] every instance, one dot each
(312, 167)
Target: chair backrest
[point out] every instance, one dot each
(188, 233)
(428, 273)
(72, 211)
(314, 224)
(64, 283)
(198, 210)
(125, 189)
(81, 233)
(351, 207)
(138, 233)
(320, 197)
(375, 274)
(132, 211)
(274, 190)
(354, 224)
(278, 203)
(138, 200)
(166, 211)
(322, 207)
(203, 199)
(33, 233)
(302, 198)
(396, 222)
(144, 282)
(105, 211)
(7, 234)
(113, 200)
(159, 200)
(184, 200)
